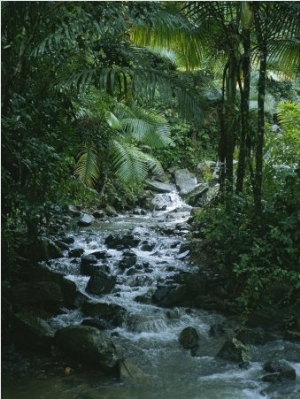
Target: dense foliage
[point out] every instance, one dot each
(97, 95)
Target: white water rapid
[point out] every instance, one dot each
(148, 337)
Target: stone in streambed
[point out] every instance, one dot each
(89, 345)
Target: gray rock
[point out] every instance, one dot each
(89, 345)
(75, 252)
(29, 329)
(74, 210)
(121, 242)
(111, 313)
(47, 249)
(281, 369)
(86, 220)
(185, 181)
(129, 259)
(169, 296)
(189, 338)
(234, 351)
(42, 294)
(160, 187)
(100, 283)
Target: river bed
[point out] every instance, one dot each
(148, 337)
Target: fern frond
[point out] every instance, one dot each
(131, 164)
(145, 126)
(87, 167)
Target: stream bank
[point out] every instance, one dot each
(130, 276)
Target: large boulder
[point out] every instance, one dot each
(185, 181)
(86, 220)
(100, 283)
(129, 371)
(111, 313)
(89, 345)
(234, 351)
(189, 338)
(30, 330)
(46, 249)
(121, 242)
(160, 187)
(279, 370)
(169, 296)
(45, 295)
(197, 195)
(71, 296)
(129, 259)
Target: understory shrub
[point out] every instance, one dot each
(256, 259)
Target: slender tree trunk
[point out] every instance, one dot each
(258, 174)
(245, 93)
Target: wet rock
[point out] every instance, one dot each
(30, 330)
(147, 245)
(195, 284)
(198, 194)
(185, 181)
(102, 254)
(45, 295)
(129, 259)
(100, 283)
(253, 336)
(120, 242)
(68, 287)
(74, 210)
(67, 240)
(169, 296)
(89, 345)
(189, 338)
(235, 351)
(216, 330)
(280, 370)
(183, 227)
(183, 255)
(86, 220)
(129, 371)
(62, 245)
(98, 323)
(99, 214)
(160, 187)
(87, 260)
(93, 269)
(75, 252)
(88, 265)
(110, 211)
(111, 313)
(46, 249)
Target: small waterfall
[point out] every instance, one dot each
(149, 334)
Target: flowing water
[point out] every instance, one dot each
(149, 335)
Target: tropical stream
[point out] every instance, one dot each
(148, 337)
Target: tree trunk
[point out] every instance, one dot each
(245, 93)
(258, 174)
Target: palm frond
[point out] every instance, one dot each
(285, 55)
(131, 164)
(87, 167)
(171, 30)
(145, 126)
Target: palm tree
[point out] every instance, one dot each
(117, 139)
(244, 34)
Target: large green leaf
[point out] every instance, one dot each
(87, 167)
(131, 164)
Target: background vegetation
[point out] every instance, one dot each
(96, 95)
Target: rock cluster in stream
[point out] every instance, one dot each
(27, 303)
